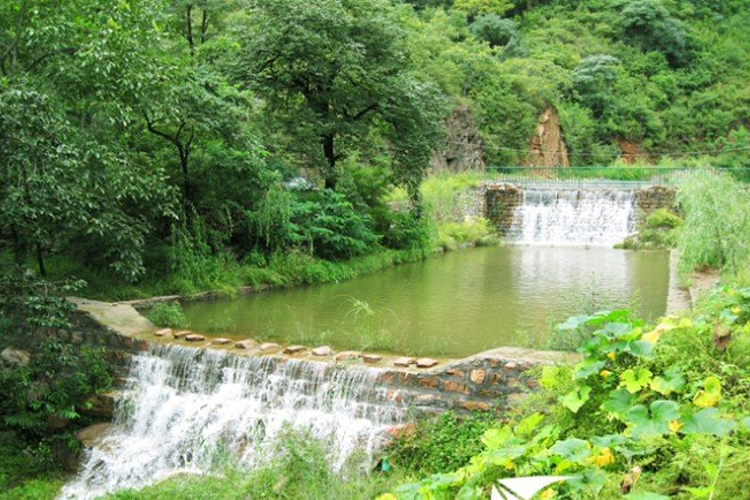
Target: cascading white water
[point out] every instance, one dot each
(185, 407)
(573, 217)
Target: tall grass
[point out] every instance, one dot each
(716, 233)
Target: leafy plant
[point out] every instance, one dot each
(167, 314)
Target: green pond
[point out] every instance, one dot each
(454, 305)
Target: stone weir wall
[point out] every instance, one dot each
(500, 201)
(491, 379)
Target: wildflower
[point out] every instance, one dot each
(547, 494)
(604, 458)
(675, 426)
(605, 373)
(611, 355)
(736, 310)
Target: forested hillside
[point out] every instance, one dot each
(163, 137)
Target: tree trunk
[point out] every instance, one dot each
(330, 154)
(40, 260)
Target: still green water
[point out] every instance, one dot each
(454, 305)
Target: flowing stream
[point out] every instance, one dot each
(597, 217)
(186, 409)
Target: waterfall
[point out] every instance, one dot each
(573, 217)
(184, 408)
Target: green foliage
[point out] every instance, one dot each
(328, 224)
(638, 396)
(440, 444)
(716, 232)
(167, 314)
(648, 23)
(494, 29)
(663, 218)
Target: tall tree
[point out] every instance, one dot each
(336, 69)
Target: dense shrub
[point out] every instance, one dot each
(494, 29)
(167, 314)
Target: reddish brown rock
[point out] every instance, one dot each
(322, 351)
(426, 362)
(194, 337)
(455, 373)
(163, 332)
(475, 405)
(477, 376)
(221, 341)
(452, 386)
(403, 430)
(269, 346)
(404, 361)
(392, 395)
(371, 358)
(427, 398)
(295, 349)
(429, 382)
(347, 355)
(181, 333)
(244, 344)
(510, 366)
(92, 435)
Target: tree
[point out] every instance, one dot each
(335, 70)
(648, 23)
(494, 29)
(475, 8)
(593, 80)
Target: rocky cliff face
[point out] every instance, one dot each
(547, 147)
(464, 148)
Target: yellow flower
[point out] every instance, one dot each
(547, 494)
(731, 292)
(675, 426)
(604, 458)
(653, 336)
(611, 355)
(509, 465)
(736, 310)
(605, 373)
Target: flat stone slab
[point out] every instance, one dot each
(194, 337)
(92, 435)
(295, 349)
(244, 344)
(181, 333)
(426, 362)
(163, 332)
(347, 355)
(322, 351)
(404, 361)
(122, 318)
(269, 346)
(221, 341)
(371, 359)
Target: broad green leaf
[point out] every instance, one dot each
(634, 380)
(469, 492)
(672, 381)
(526, 426)
(608, 441)
(655, 421)
(707, 421)
(640, 349)
(573, 449)
(619, 402)
(588, 367)
(577, 398)
(497, 437)
(710, 395)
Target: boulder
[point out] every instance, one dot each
(221, 341)
(269, 346)
(101, 405)
(194, 337)
(163, 332)
(14, 358)
(347, 355)
(244, 344)
(371, 359)
(295, 349)
(91, 436)
(322, 351)
(404, 361)
(426, 362)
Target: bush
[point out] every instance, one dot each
(716, 232)
(440, 444)
(494, 29)
(167, 314)
(330, 227)
(663, 218)
(405, 231)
